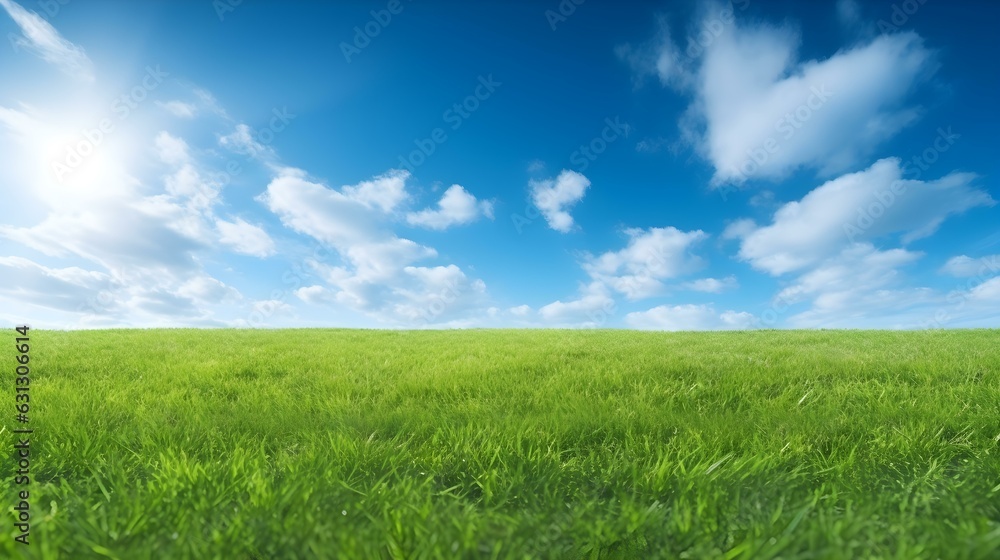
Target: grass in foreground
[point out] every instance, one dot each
(510, 444)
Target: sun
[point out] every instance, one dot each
(71, 161)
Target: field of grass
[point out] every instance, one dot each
(262, 444)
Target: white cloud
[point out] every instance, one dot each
(326, 214)
(245, 238)
(554, 197)
(520, 310)
(170, 149)
(207, 289)
(455, 207)
(384, 192)
(66, 289)
(766, 116)
(40, 37)
(861, 286)
(651, 256)
(315, 294)
(712, 285)
(987, 291)
(178, 108)
(859, 267)
(659, 57)
(379, 275)
(858, 207)
(759, 112)
(963, 266)
(594, 307)
(242, 141)
(688, 318)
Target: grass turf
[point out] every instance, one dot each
(510, 444)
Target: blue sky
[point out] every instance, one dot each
(410, 164)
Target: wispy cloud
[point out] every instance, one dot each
(41, 38)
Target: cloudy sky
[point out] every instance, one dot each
(675, 165)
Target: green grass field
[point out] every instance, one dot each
(509, 444)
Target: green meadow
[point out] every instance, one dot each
(332, 443)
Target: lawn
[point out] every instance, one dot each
(332, 443)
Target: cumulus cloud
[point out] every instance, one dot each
(688, 318)
(854, 208)
(314, 294)
(146, 235)
(245, 238)
(988, 291)
(520, 310)
(759, 112)
(384, 192)
(553, 197)
(594, 306)
(712, 285)
(65, 289)
(858, 286)
(204, 288)
(651, 256)
(379, 272)
(456, 207)
(41, 38)
(170, 149)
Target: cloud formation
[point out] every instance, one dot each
(757, 112)
(456, 207)
(858, 207)
(553, 197)
(651, 256)
(39, 37)
(688, 318)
